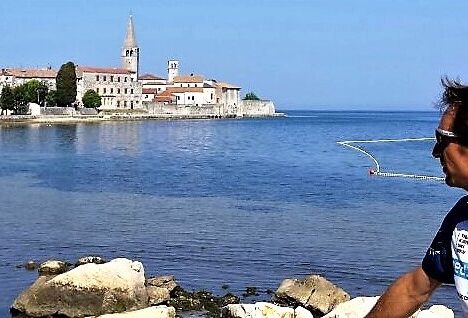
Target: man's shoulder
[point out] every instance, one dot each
(459, 212)
(461, 204)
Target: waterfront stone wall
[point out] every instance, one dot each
(183, 110)
(245, 109)
(58, 111)
(257, 108)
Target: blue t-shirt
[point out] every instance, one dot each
(446, 260)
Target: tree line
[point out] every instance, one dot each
(16, 99)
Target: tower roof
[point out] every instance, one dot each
(130, 39)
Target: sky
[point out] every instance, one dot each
(302, 54)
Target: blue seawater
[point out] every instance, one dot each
(239, 202)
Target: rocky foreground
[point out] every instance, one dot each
(119, 288)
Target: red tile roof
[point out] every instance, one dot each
(31, 73)
(150, 77)
(188, 79)
(185, 89)
(165, 96)
(149, 91)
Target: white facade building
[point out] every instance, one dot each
(15, 76)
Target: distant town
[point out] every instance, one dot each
(123, 90)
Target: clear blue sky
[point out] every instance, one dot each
(303, 54)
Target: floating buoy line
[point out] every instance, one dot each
(354, 144)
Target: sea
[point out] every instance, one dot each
(225, 204)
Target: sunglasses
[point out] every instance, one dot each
(444, 137)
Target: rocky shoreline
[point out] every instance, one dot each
(92, 287)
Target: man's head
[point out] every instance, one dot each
(452, 134)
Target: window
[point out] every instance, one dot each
(146, 96)
(193, 97)
(97, 90)
(118, 103)
(178, 97)
(180, 85)
(104, 78)
(126, 91)
(125, 103)
(211, 96)
(188, 85)
(131, 104)
(159, 89)
(131, 91)
(125, 79)
(131, 79)
(112, 78)
(196, 85)
(118, 91)
(97, 78)
(104, 90)
(112, 90)
(118, 79)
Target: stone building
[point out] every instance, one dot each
(18, 76)
(118, 87)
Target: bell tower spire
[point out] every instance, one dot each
(131, 51)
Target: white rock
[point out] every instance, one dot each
(273, 311)
(301, 312)
(436, 311)
(355, 308)
(258, 310)
(426, 314)
(238, 310)
(112, 275)
(150, 312)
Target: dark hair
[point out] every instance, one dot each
(456, 93)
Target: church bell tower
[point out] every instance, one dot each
(131, 51)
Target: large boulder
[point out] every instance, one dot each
(314, 292)
(149, 312)
(263, 310)
(87, 290)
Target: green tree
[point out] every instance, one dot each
(251, 96)
(91, 99)
(51, 99)
(66, 85)
(21, 99)
(7, 99)
(35, 92)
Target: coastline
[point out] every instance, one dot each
(57, 119)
